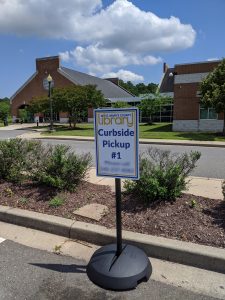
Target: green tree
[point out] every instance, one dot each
(4, 110)
(73, 99)
(76, 99)
(39, 105)
(212, 90)
(120, 104)
(139, 88)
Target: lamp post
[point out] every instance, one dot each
(49, 78)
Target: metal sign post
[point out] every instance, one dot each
(118, 217)
(118, 266)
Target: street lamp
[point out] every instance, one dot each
(49, 79)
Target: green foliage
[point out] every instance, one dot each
(193, 203)
(56, 201)
(162, 175)
(76, 99)
(139, 88)
(23, 200)
(212, 89)
(16, 158)
(8, 192)
(4, 110)
(60, 168)
(120, 104)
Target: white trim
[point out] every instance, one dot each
(23, 86)
(190, 78)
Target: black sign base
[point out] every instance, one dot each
(124, 272)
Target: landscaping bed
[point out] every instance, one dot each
(189, 218)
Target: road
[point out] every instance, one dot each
(28, 273)
(210, 165)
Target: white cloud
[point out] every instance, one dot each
(125, 75)
(121, 25)
(65, 56)
(107, 38)
(213, 58)
(99, 59)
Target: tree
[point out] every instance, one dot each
(76, 99)
(120, 104)
(212, 90)
(4, 110)
(73, 99)
(139, 88)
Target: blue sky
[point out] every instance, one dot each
(128, 39)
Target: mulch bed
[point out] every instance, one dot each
(203, 224)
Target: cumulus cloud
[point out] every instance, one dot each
(121, 25)
(124, 75)
(106, 38)
(99, 59)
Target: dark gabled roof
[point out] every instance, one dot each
(109, 89)
(167, 84)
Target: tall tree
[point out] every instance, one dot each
(212, 90)
(4, 110)
(139, 88)
(74, 100)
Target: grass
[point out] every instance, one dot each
(154, 131)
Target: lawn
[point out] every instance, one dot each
(154, 131)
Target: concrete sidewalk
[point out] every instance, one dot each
(198, 186)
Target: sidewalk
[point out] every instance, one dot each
(198, 186)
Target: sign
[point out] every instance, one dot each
(46, 84)
(116, 140)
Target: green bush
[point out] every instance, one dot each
(56, 201)
(60, 168)
(16, 158)
(162, 175)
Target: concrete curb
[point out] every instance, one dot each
(141, 141)
(209, 258)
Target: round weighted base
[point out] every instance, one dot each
(124, 272)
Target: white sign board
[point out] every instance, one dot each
(116, 140)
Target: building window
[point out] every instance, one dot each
(207, 113)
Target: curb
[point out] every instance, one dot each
(205, 257)
(141, 141)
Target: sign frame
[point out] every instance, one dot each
(134, 110)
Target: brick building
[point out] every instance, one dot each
(62, 77)
(182, 83)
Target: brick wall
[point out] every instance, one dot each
(186, 102)
(34, 87)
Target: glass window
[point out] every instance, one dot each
(207, 113)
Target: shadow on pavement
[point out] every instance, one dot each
(62, 268)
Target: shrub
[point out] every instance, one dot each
(61, 168)
(16, 158)
(56, 201)
(162, 174)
